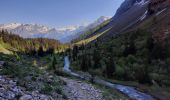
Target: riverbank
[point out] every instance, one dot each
(129, 91)
(79, 90)
(157, 92)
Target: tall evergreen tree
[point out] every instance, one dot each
(130, 49)
(96, 59)
(54, 62)
(110, 66)
(83, 64)
(75, 52)
(40, 51)
(50, 50)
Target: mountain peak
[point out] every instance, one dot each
(103, 18)
(37, 30)
(9, 26)
(128, 4)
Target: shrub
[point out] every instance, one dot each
(142, 74)
(110, 67)
(59, 91)
(53, 63)
(119, 72)
(46, 89)
(130, 49)
(65, 97)
(40, 51)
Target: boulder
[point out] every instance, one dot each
(25, 97)
(2, 63)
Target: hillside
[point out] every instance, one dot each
(91, 32)
(10, 43)
(135, 48)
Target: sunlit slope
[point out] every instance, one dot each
(90, 39)
(4, 50)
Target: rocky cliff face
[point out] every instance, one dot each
(157, 5)
(132, 13)
(128, 4)
(153, 6)
(129, 13)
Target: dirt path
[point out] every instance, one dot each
(77, 90)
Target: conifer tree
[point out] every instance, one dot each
(75, 52)
(96, 59)
(110, 66)
(54, 62)
(40, 51)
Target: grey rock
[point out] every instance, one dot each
(2, 63)
(26, 97)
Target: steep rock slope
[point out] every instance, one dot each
(127, 16)
(133, 13)
(129, 13)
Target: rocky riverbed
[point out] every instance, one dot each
(78, 90)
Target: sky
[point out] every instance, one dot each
(56, 13)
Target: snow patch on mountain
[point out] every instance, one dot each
(9, 26)
(160, 12)
(144, 16)
(83, 30)
(141, 2)
(64, 34)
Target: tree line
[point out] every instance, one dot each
(36, 46)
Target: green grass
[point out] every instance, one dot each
(111, 94)
(4, 50)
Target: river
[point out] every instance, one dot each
(131, 92)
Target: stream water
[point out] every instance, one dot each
(131, 92)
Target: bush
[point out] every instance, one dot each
(142, 74)
(59, 91)
(47, 89)
(119, 72)
(14, 71)
(53, 63)
(131, 59)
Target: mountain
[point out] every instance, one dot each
(91, 32)
(86, 29)
(127, 5)
(123, 18)
(133, 46)
(35, 30)
(65, 34)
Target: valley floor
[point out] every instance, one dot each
(25, 77)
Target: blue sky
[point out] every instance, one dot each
(56, 13)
